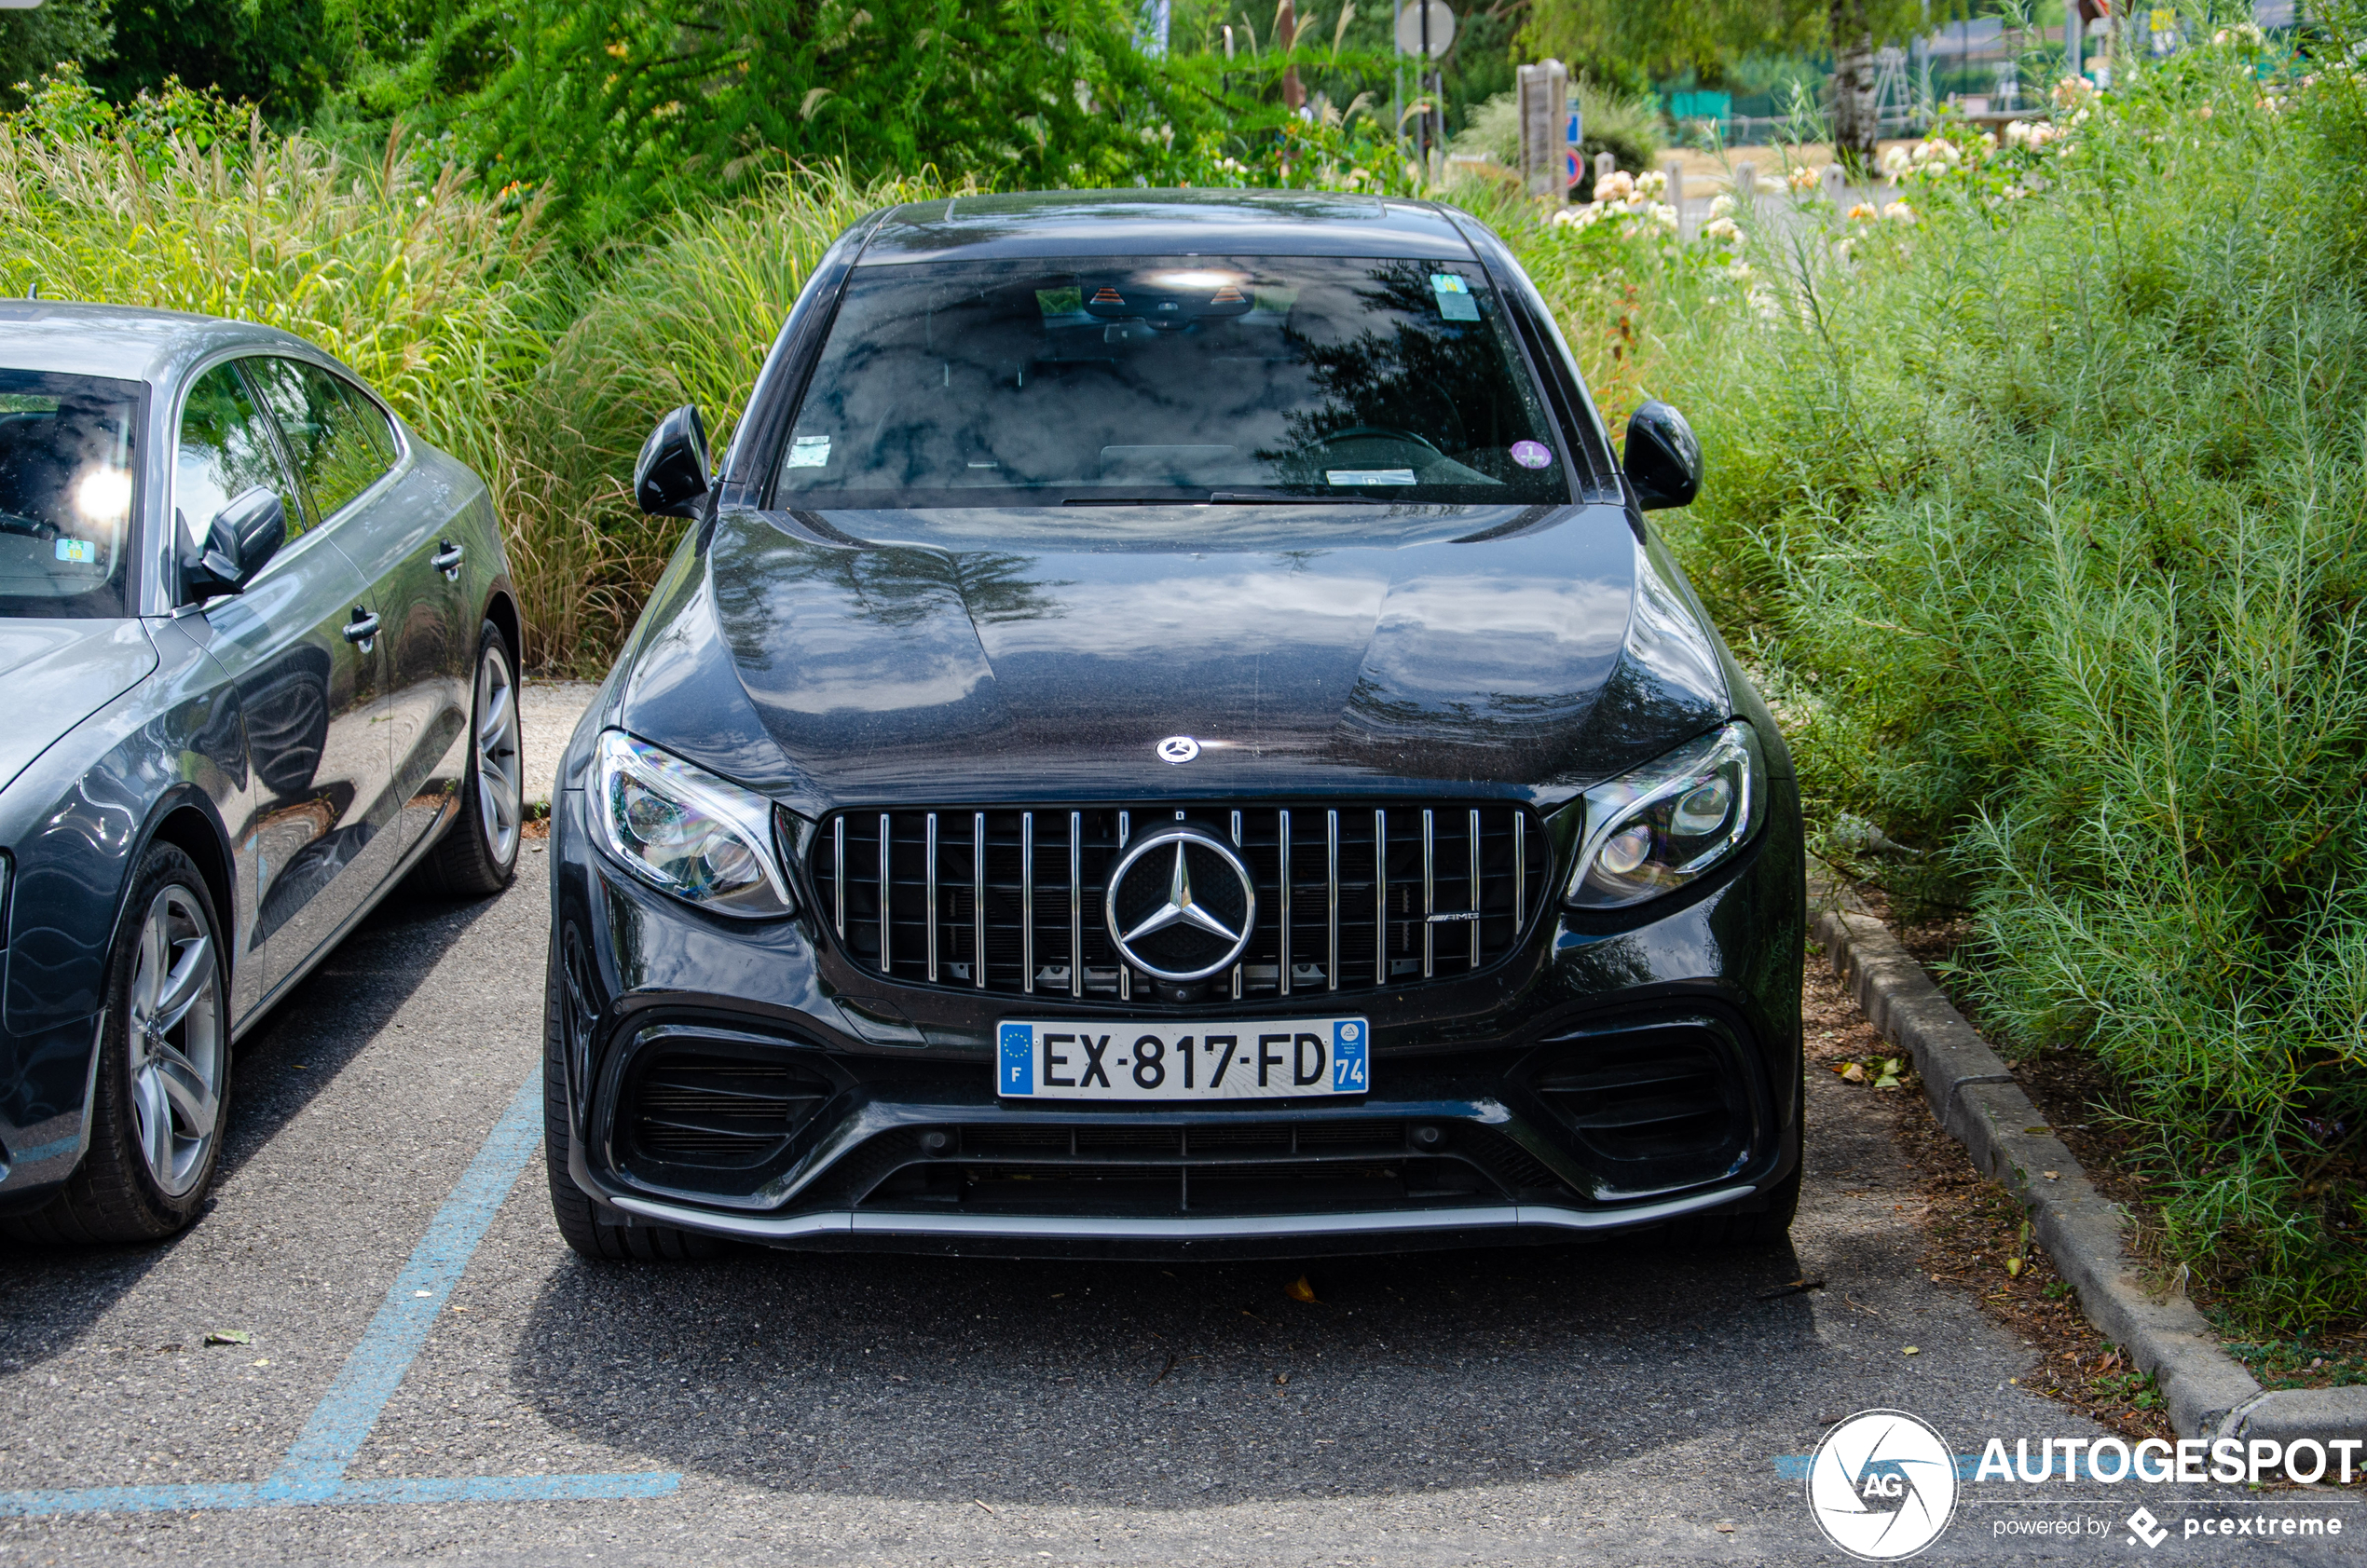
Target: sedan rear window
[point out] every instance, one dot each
(1193, 378)
(67, 478)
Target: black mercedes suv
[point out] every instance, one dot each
(1170, 735)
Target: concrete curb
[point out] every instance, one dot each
(1974, 1098)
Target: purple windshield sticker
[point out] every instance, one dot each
(1531, 454)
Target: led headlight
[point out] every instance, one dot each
(682, 829)
(1655, 829)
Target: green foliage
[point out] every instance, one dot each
(71, 32)
(626, 109)
(2049, 514)
(282, 54)
(1613, 40)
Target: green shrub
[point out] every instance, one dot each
(2050, 513)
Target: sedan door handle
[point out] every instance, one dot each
(448, 560)
(361, 628)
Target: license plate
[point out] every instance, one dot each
(1280, 1060)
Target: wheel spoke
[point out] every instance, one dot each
(190, 980)
(186, 1088)
(148, 971)
(156, 1123)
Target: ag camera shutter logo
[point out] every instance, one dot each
(1883, 1485)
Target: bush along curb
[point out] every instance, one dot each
(1974, 1096)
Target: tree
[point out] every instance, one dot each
(284, 55)
(35, 41)
(1631, 43)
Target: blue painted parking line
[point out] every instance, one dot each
(313, 1471)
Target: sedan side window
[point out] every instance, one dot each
(224, 451)
(338, 439)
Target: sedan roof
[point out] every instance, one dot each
(123, 342)
(1146, 222)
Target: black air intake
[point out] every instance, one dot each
(686, 1108)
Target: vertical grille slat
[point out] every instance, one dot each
(1027, 901)
(904, 902)
(1283, 923)
(1076, 904)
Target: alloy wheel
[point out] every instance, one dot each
(176, 1042)
(499, 765)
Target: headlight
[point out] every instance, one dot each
(1655, 829)
(682, 828)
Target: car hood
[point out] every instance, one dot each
(64, 672)
(975, 655)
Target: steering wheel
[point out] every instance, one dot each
(31, 527)
(1385, 432)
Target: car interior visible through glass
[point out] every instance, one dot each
(1175, 378)
(67, 478)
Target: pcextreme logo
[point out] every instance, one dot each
(1882, 1485)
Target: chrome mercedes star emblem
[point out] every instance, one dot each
(1202, 942)
(1179, 748)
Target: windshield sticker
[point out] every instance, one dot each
(82, 552)
(1454, 301)
(1532, 453)
(1369, 476)
(810, 452)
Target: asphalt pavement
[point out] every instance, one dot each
(427, 1372)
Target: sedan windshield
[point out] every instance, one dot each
(1035, 383)
(66, 484)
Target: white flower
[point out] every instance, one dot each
(1739, 270)
(1898, 212)
(1723, 229)
(1862, 209)
(1652, 182)
(1721, 205)
(1618, 186)
(1896, 160)
(1663, 215)
(1802, 178)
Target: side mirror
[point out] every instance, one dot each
(670, 478)
(240, 542)
(1664, 458)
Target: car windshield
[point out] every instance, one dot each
(1034, 383)
(66, 488)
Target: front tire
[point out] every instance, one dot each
(160, 1099)
(579, 1217)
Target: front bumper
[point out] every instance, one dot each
(743, 1080)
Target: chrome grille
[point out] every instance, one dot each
(1350, 897)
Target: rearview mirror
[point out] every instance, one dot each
(670, 479)
(240, 542)
(1664, 458)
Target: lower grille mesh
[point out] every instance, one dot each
(716, 1112)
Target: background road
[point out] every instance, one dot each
(1582, 1404)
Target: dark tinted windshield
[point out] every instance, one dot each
(67, 445)
(1170, 378)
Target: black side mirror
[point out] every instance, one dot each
(1664, 458)
(670, 480)
(240, 542)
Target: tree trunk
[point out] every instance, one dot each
(1856, 128)
(1286, 35)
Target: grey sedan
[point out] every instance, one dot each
(266, 645)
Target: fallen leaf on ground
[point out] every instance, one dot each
(2014, 1266)
(229, 1336)
(1300, 1289)
(1853, 1073)
(1912, 1350)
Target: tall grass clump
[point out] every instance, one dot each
(687, 317)
(434, 294)
(2045, 499)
